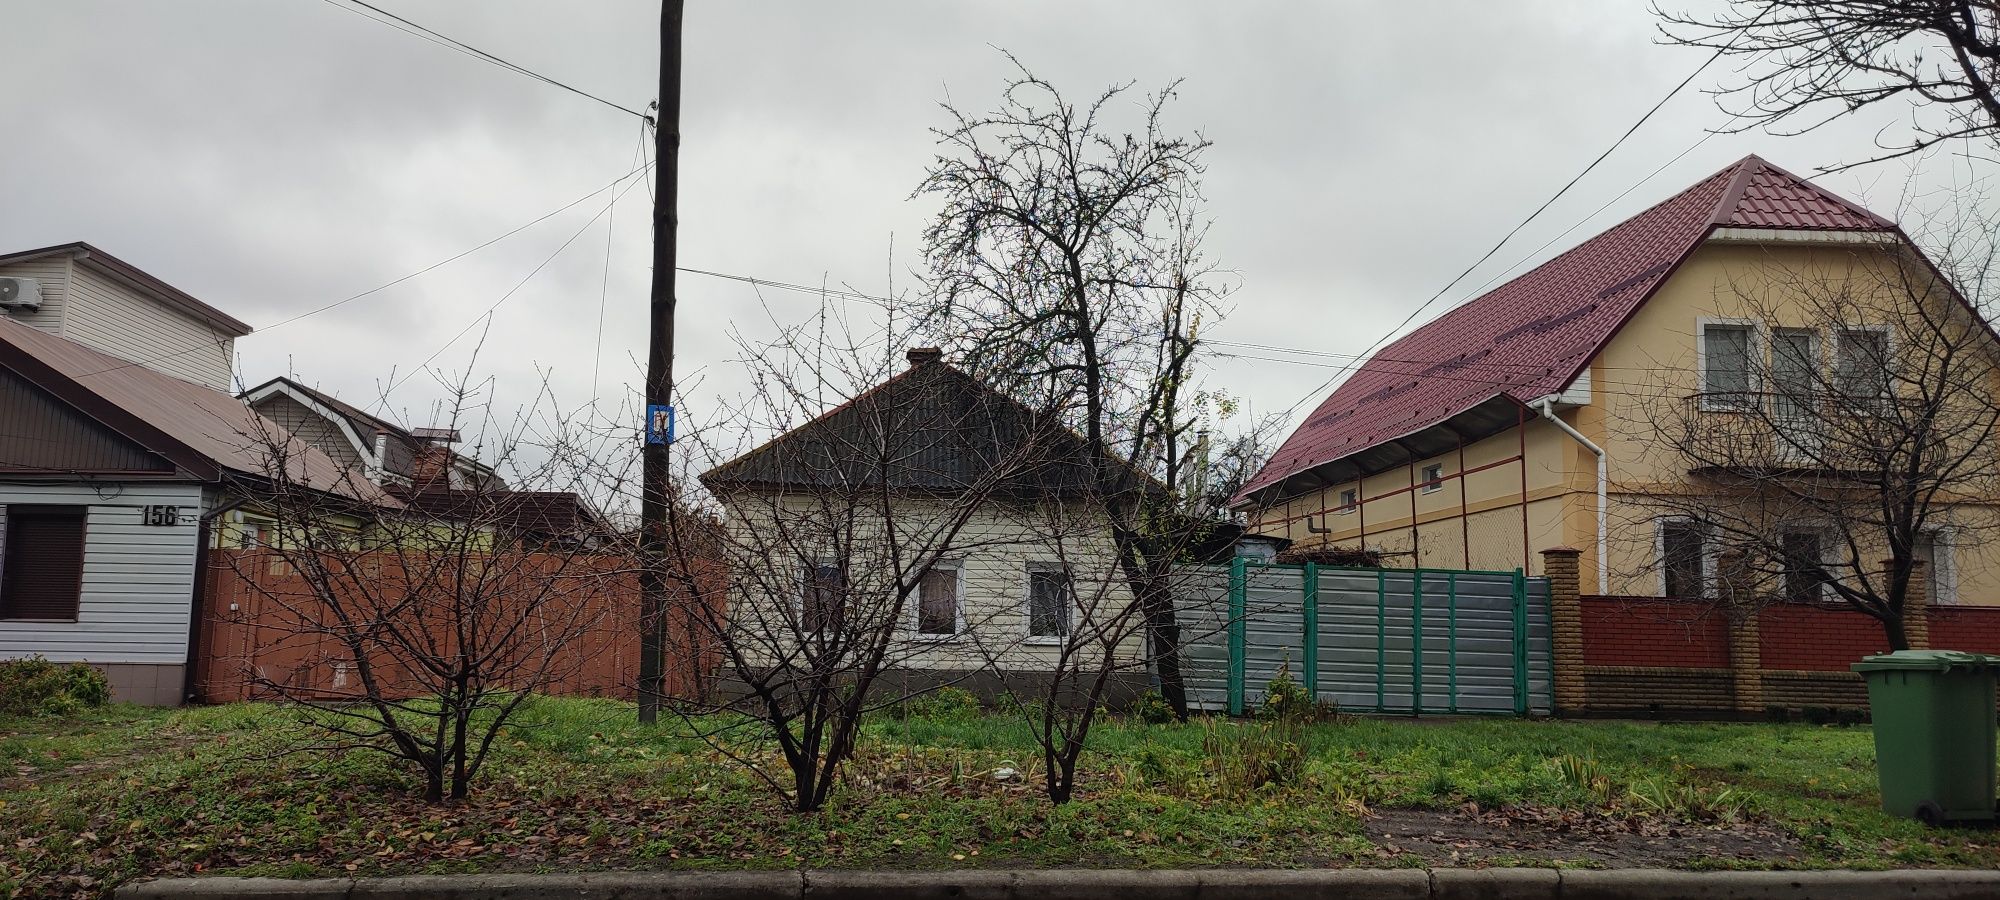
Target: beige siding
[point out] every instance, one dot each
(109, 317)
(53, 273)
(313, 428)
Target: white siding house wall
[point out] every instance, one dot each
(53, 274)
(138, 584)
(1001, 543)
(107, 316)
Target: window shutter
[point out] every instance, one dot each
(42, 575)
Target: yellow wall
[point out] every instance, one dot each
(1650, 363)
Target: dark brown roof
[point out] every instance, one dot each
(206, 432)
(931, 428)
(137, 277)
(357, 418)
(540, 513)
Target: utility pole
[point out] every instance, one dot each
(655, 492)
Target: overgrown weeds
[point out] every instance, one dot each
(37, 687)
(1254, 756)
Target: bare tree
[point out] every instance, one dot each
(1807, 62)
(1846, 431)
(417, 622)
(1066, 265)
(847, 540)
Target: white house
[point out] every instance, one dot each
(120, 450)
(1032, 569)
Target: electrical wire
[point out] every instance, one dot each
(451, 43)
(385, 285)
(487, 316)
(1321, 390)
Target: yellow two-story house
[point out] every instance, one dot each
(1633, 396)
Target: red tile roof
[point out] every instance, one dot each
(1533, 335)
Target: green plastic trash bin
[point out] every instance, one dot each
(1934, 732)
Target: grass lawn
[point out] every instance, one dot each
(91, 801)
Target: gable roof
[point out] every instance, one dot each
(357, 418)
(117, 268)
(1534, 335)
(930, 428)
(207, 433)
(535, 513)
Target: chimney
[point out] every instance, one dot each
(920, 355)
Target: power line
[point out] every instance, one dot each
(385, 285)
(487, 315)
(454, 44)
(1319, 391)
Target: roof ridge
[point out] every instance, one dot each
(1739, 182)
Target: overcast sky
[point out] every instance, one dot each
(274, 156)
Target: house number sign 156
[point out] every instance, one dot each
(161, 515)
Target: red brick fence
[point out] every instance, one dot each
(1625, 655)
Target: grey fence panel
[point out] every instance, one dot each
(1202, 601)
(1370, 625)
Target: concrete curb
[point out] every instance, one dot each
(1110, 884)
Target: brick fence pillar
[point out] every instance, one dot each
(1566, 618)
(1746, 651)
(1916, 604)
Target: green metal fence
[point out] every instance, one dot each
(1415, 641)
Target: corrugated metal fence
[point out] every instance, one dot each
(1424, 641)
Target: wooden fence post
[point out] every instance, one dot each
(1566, 621)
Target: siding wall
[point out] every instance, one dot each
(53, 273)
(312, 428)
(999, 544)
(107, 316)
(137, 579)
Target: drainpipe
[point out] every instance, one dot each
(1546, 406)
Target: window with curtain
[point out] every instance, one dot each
(1683, 559)
(823, 597)
(937, 602)
(1050, 596)
(1726, 380)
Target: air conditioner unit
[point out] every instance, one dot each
(20, 293)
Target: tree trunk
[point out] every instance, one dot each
(1163, 632)
(1898, 634)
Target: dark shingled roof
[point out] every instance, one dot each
(931, 428)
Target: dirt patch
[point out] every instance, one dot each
(1469, 835)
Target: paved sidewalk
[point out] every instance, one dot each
(1111, 884)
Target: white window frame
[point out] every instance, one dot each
(1759, 344)
(1944, 556)
(1347, 507)
(1708, 555)
(1028, 604)
(1429, 484)
(916, 617)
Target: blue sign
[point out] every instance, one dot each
(659, 424)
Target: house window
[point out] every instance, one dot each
(1725, 366)
(1350, 500)
(41, 565)
(1050, 596)
(1683, 559)
(1433, 478)
(823, 597)
(1805, 566)
(937, 601)
(1934, 549)
(1861, 363)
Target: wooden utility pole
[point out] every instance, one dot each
(656, 493)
